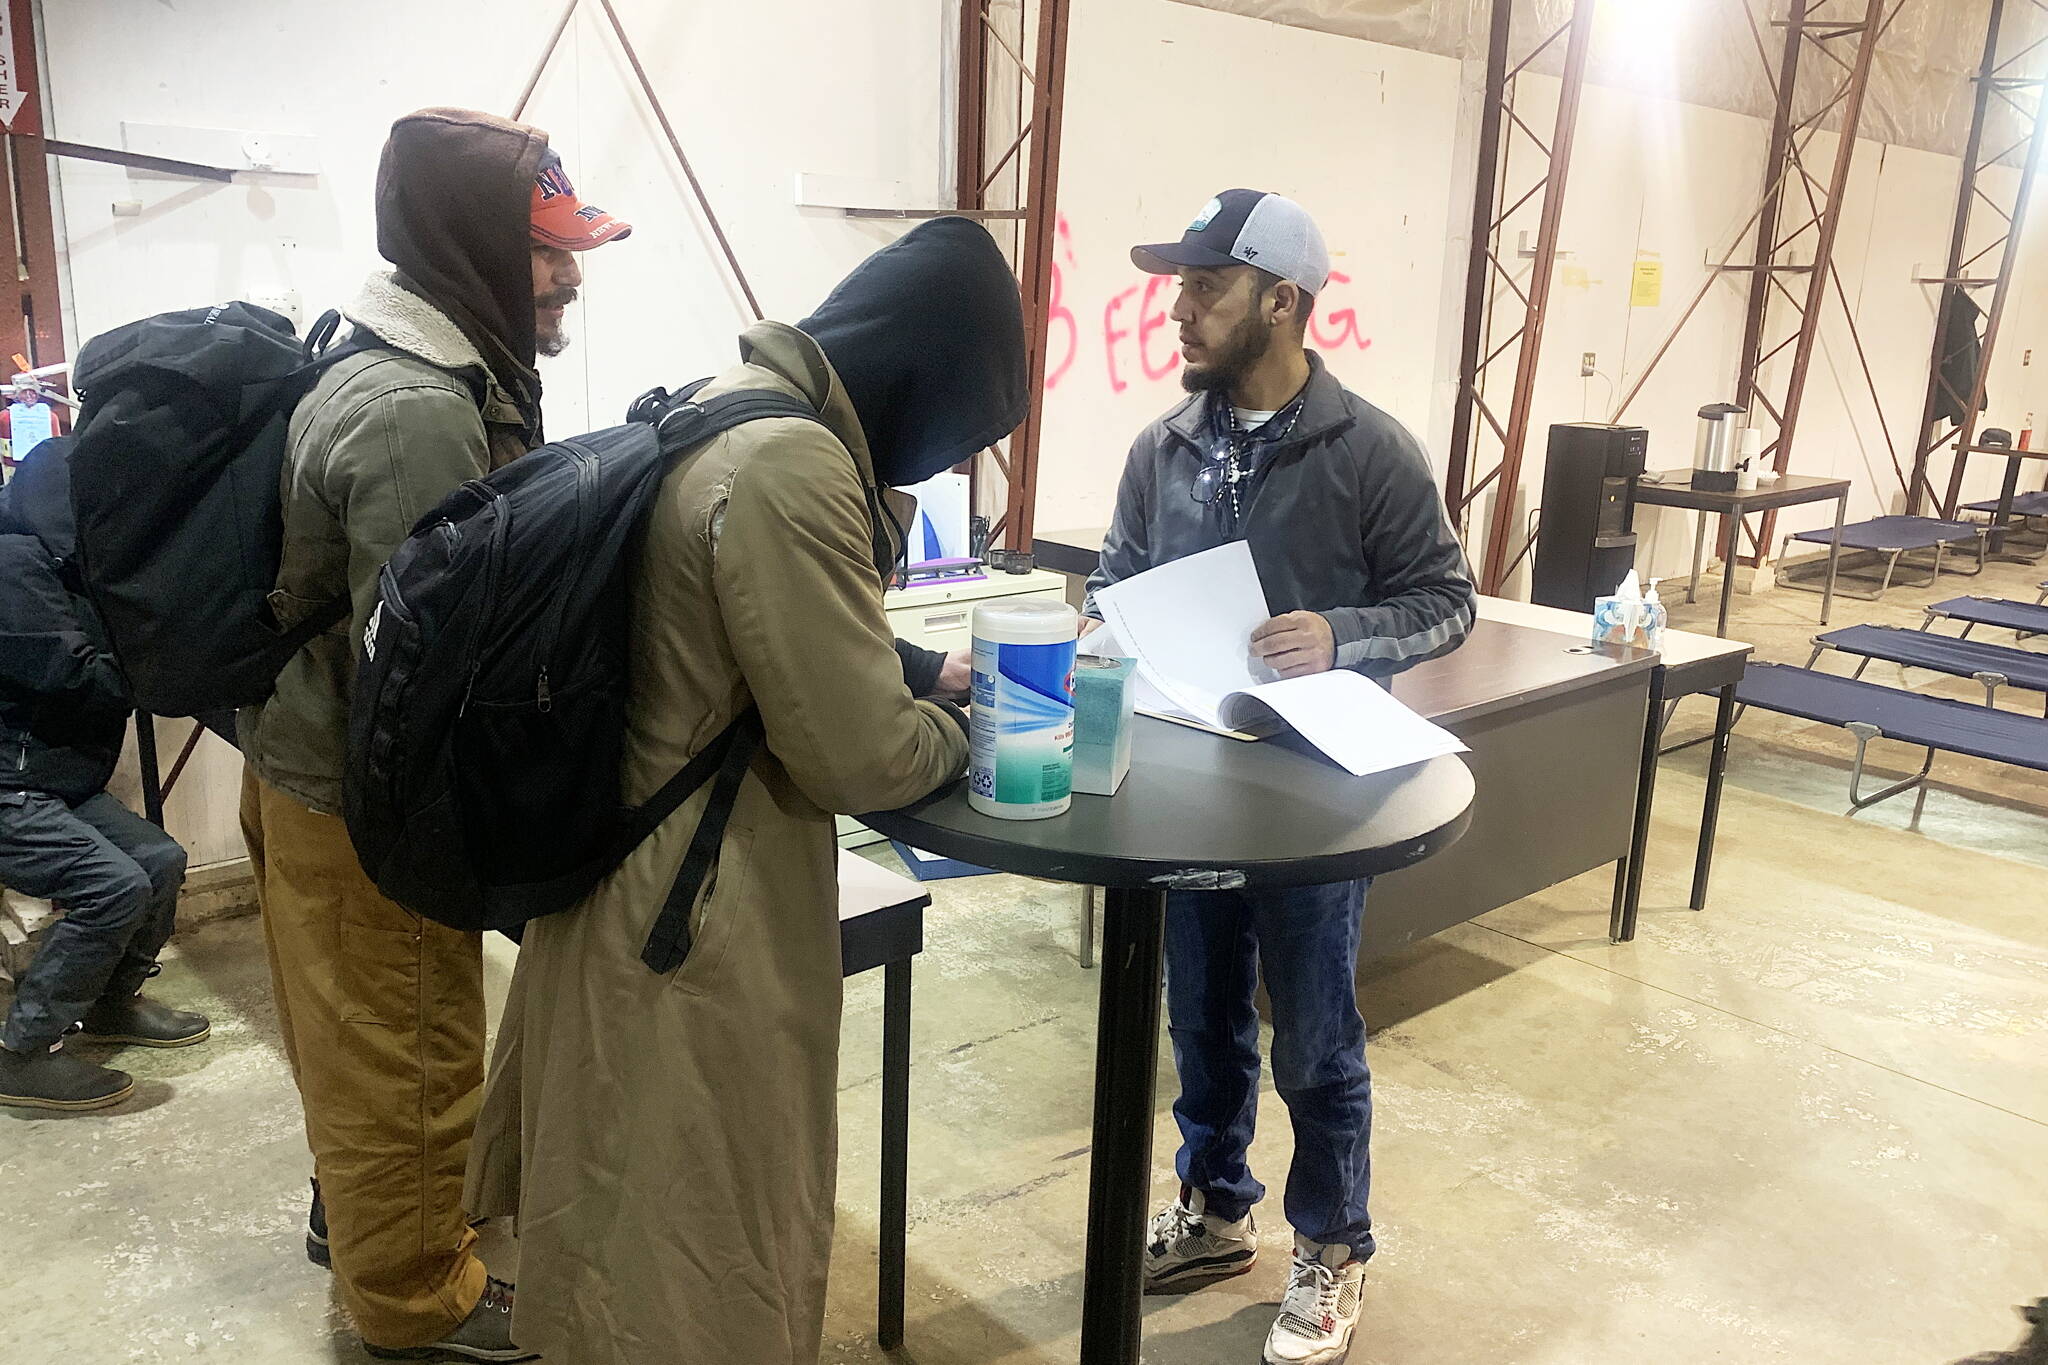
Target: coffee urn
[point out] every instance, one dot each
(1713, 452)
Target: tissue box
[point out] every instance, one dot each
(1628, 621)
(1104, 692)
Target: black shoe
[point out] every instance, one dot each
(2032, 1351)
(46, 1079)
(316, 1233)
(486, 1334)
(144, 1023)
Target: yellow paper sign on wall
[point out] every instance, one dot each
(1646, 288)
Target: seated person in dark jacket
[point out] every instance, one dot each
(63, 714)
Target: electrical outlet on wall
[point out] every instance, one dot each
(285, 301)
(1587, 363)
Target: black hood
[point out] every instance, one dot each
(454, 213)
(37, 500)
(927, 335)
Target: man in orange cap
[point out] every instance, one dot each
(382, 1010)
(562, 226)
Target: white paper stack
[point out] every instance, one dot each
(1189, 625)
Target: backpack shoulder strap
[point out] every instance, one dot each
(686, 423)
(668, 943)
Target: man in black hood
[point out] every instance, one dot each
(382, 1010)
(116, 877)
(667, 1140)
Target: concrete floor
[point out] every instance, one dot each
(1808, 1125)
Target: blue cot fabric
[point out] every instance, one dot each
(1942, 653)
(1956, 727)
(1895, 533)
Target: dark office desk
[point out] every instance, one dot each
(1543, 713)
(1688, 664)
(1790, 490)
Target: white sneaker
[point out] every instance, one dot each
(1321, 1307)
(1186, 1244)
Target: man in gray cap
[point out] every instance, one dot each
(1361, 571)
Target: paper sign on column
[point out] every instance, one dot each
(1189, 626)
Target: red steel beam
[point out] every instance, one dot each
(1830, 214)
(1480, 262)
(1574, 83)
(1041, 220)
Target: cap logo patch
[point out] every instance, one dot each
(553, 183)
(1209, 211)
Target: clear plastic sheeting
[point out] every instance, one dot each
(1707, 52)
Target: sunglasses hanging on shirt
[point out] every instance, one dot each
(1226, 470)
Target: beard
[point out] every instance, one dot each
(1245, 347)
(552, 342)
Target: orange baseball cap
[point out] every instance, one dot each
(562, 220)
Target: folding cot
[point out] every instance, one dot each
(2023, 518)
(1993, 666)
(1869, 712)
(2025, 618)
(1890, 539)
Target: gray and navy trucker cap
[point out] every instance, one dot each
(1246, 227)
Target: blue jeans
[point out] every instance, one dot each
(116, 877)
(1307, 937)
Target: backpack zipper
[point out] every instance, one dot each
(500, 529)
(586, 488)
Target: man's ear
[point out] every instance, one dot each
(1286, 301)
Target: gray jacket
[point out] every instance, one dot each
(1344, 519)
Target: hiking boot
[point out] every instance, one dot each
(50, 1078)
(1321, 1308)
(316, 1233)
(486, 1334)
(1187, 1246)
(144, 1023)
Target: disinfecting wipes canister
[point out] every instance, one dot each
(1021, 736)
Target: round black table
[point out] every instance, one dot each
(1198, 812)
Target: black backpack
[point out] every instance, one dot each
(175, 484)
(488, 724)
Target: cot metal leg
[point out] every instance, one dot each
(1861, 666)
(1088, 902)
(895, 1219)
(1990, 682)
(1814, 658)
(1628, 873)
(1827, 597)
(1865, 732)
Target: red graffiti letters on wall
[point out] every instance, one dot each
(1334, 328)
(1112, 334)
(1059, 319)
(1134, 344)
(1152, 316)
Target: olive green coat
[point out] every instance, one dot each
(382, 438)
(668, 1142)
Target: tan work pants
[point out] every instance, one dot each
(383, 1019)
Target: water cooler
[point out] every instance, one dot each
(1586, 543)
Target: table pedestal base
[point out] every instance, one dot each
(1120, 1164)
